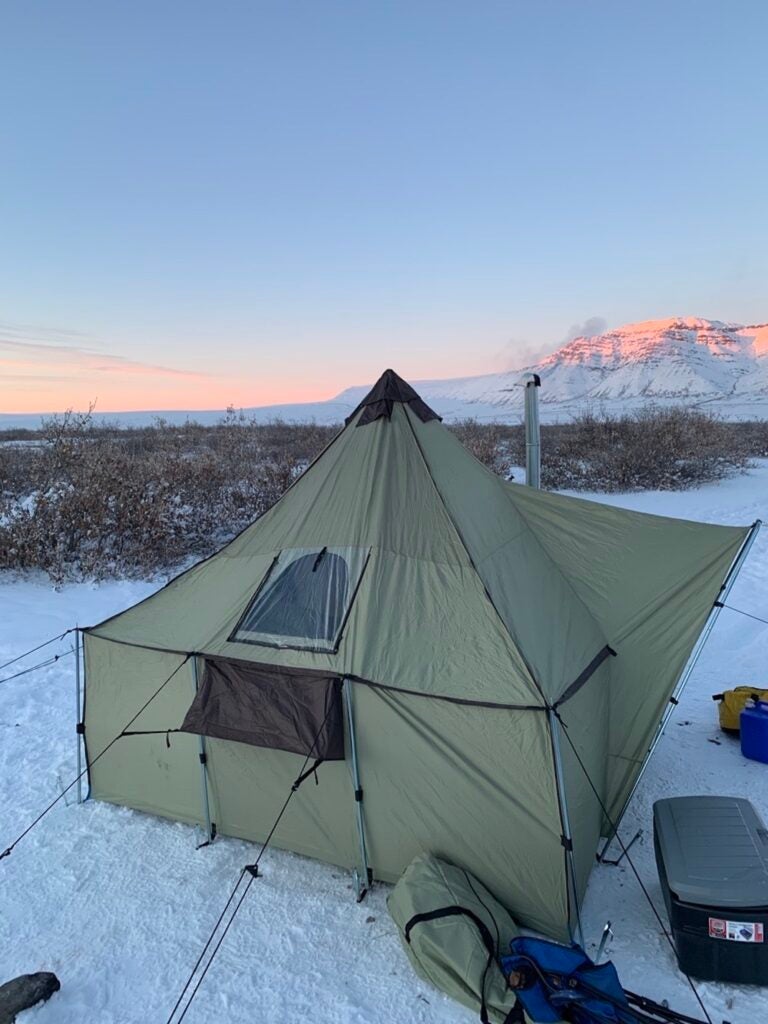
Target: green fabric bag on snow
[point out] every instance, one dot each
(448, 946)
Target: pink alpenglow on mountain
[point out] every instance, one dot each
(709, 364)
(677, 358)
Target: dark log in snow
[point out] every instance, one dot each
(24, 992)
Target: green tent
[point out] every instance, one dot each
(420, 624)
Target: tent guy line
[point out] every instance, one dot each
(749, 615)
(253, 871)
(33, 650)
(40, 664)
(626, 853)
(9, 849)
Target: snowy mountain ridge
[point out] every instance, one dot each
(680, 360)
(710, 364)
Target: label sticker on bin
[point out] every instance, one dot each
(736, 931)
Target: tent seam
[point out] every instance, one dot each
(487, 593)
(558, 568)
(326, 673)
(232, 540)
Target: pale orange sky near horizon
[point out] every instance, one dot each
(49, 370)
(45, 370)
(52, 388)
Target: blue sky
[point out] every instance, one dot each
(269, 201)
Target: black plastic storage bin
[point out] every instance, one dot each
(712, 856)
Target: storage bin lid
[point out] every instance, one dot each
(714, 849)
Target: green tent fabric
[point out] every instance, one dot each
(465, 609)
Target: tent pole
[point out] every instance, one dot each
(685, 675)
(362, 881)
(79, 712)
(203, 756)
(554, 731)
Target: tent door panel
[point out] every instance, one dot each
(249, 785)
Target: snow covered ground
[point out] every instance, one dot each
(118, 904)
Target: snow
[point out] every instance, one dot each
(119, 904)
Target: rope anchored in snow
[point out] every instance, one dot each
(33, 650)
(749, 615)
(40, 664)
(635, 872)
(250, 870)
(9, 849)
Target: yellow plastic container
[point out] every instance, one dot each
(732, 704)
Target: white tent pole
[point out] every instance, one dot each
(532, 432)
(690, 665)
(554, 731)
(362, 881)
(203, 756)
(77, 721)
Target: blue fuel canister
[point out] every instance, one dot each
(753, 723)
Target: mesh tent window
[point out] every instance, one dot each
(304, 600)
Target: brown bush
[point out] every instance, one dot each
(79, 500)
(97, 501)
(651, 449)
(488, 442)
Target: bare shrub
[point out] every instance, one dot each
(651, 449)
(104, 502)
(488, 442)
(86, 501)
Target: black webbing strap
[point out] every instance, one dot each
(582, 677)
(148, 732)
(305, 775)
(151, 732)
(456, 911)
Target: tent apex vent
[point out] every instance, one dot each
(380, 401)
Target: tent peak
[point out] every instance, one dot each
(380, 400)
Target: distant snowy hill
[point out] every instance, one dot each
(707, 363)
(680, 361)
(685, 361)
(713, 365)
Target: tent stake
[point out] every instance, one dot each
(607, 934)
(554, 730)
(77, 720)
(209, 833)
(361, 881)
(690, 665)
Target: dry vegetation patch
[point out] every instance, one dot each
(85, 501)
